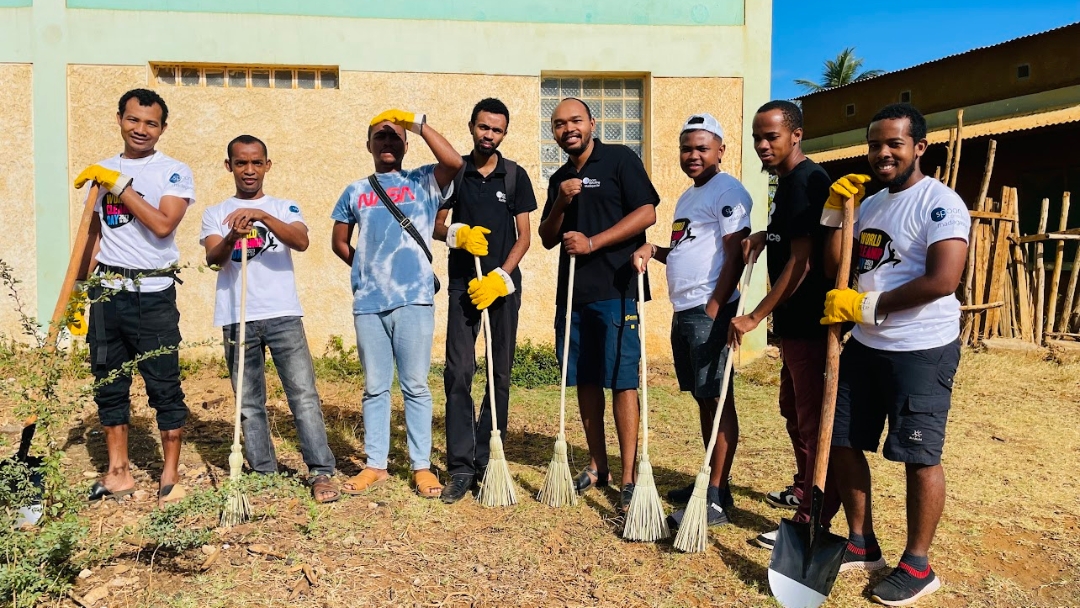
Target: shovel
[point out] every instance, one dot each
(806, 558)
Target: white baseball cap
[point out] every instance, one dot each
(703, 122)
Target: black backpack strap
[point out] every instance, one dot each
(510, 180)
(406, 223)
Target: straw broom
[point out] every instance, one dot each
(694, 529)
(497, 488)
(645, 517)
(237, 507)
(558, 489)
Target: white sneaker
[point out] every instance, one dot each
(767, 540)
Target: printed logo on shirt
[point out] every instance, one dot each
(938, 214)
(588, 182)
(727, 211)
(259, 239)
(680, 232)
(294, 209)
(501, 196)
(174, 178)
(398, 195)
(875, 250)
(115, 214)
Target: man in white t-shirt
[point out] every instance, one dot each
(273, 228)
(910, 251)
(704, 261)
(142, 198)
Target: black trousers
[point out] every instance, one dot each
(125, 326)
(466, 434)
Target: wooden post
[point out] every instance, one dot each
(959, 145)
(1040, 277)
(999, 266)
(937, 173)
(984, 188)
(948, 155)
(1070, 292)
(981, 270)
(1023, 290)
(1059, 260)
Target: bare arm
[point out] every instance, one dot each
(161, 221)
(340, 242)
(636, 222)
(729, 273)
(521, 245)
(294, 234)
(440, 225)
(219, 248)
(95, 244)
(945, 261)
(449, 161)
(795, 271)
(551, 225)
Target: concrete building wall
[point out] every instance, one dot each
(18, 248)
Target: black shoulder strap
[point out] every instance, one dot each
(458, 179)
(511, 179)
(406, 223)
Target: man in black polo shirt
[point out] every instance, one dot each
(599, 205)
(796, 243)
(485, 196)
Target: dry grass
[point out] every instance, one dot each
(1010, 533)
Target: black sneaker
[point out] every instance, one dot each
(905, 585)
(767, 540)
(783, 499)
(682, 496)
(460, 484)
(867, 558)
(716, 514)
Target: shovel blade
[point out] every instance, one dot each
(804, 564)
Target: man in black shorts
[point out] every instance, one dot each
(910, 251)
(598, 207)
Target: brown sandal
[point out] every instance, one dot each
(321, 486)
(427, 484)
(360, 484)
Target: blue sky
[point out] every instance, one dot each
(891, 36)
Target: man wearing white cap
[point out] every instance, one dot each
(704, 260)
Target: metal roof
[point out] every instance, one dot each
(917, 65)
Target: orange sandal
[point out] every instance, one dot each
(360, 484)
(427, 484)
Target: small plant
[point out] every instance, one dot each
(535, 366)
(338, 362)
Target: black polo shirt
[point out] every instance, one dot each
(796, 212)
(483, 201)
(614, 183)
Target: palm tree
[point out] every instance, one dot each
(840, 71)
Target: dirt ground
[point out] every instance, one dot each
(1010, 535)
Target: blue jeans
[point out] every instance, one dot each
(288, 345)
(401, 336)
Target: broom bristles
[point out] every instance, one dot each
(497, 488)
(558, 489)
(693, 534)
(237, 508)
(645, 517)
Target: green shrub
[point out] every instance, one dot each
(338, 362)
(535, 366)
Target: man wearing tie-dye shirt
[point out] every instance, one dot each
(393, 289)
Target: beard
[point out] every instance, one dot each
(900, 178)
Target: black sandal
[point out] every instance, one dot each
(625, 497)
(591, 478)
(98, 491)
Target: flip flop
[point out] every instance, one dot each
(360, 484)
(98, 491)
(321, 484)
(427, 484)
(171, 493)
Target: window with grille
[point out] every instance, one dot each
(616, 105)
(244, 77)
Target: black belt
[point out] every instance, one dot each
(134, 274)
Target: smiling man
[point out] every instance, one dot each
(910, 251)
(492, 194)
(599, 205)
(393, 288)
(143, 197)
(704, 261)
(273, 229)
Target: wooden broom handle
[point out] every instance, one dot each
(76, 264)
(832, 354)
(486, 320)
(566, 344)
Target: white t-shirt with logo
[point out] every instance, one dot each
(271, 283)
(894, 232)
(125, 241)
(703, 217)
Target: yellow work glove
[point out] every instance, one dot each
(409, 120)
(849, 305)
(469, 238)
(113, 181)
(495, 285)
(851, 185)
(77, 324)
